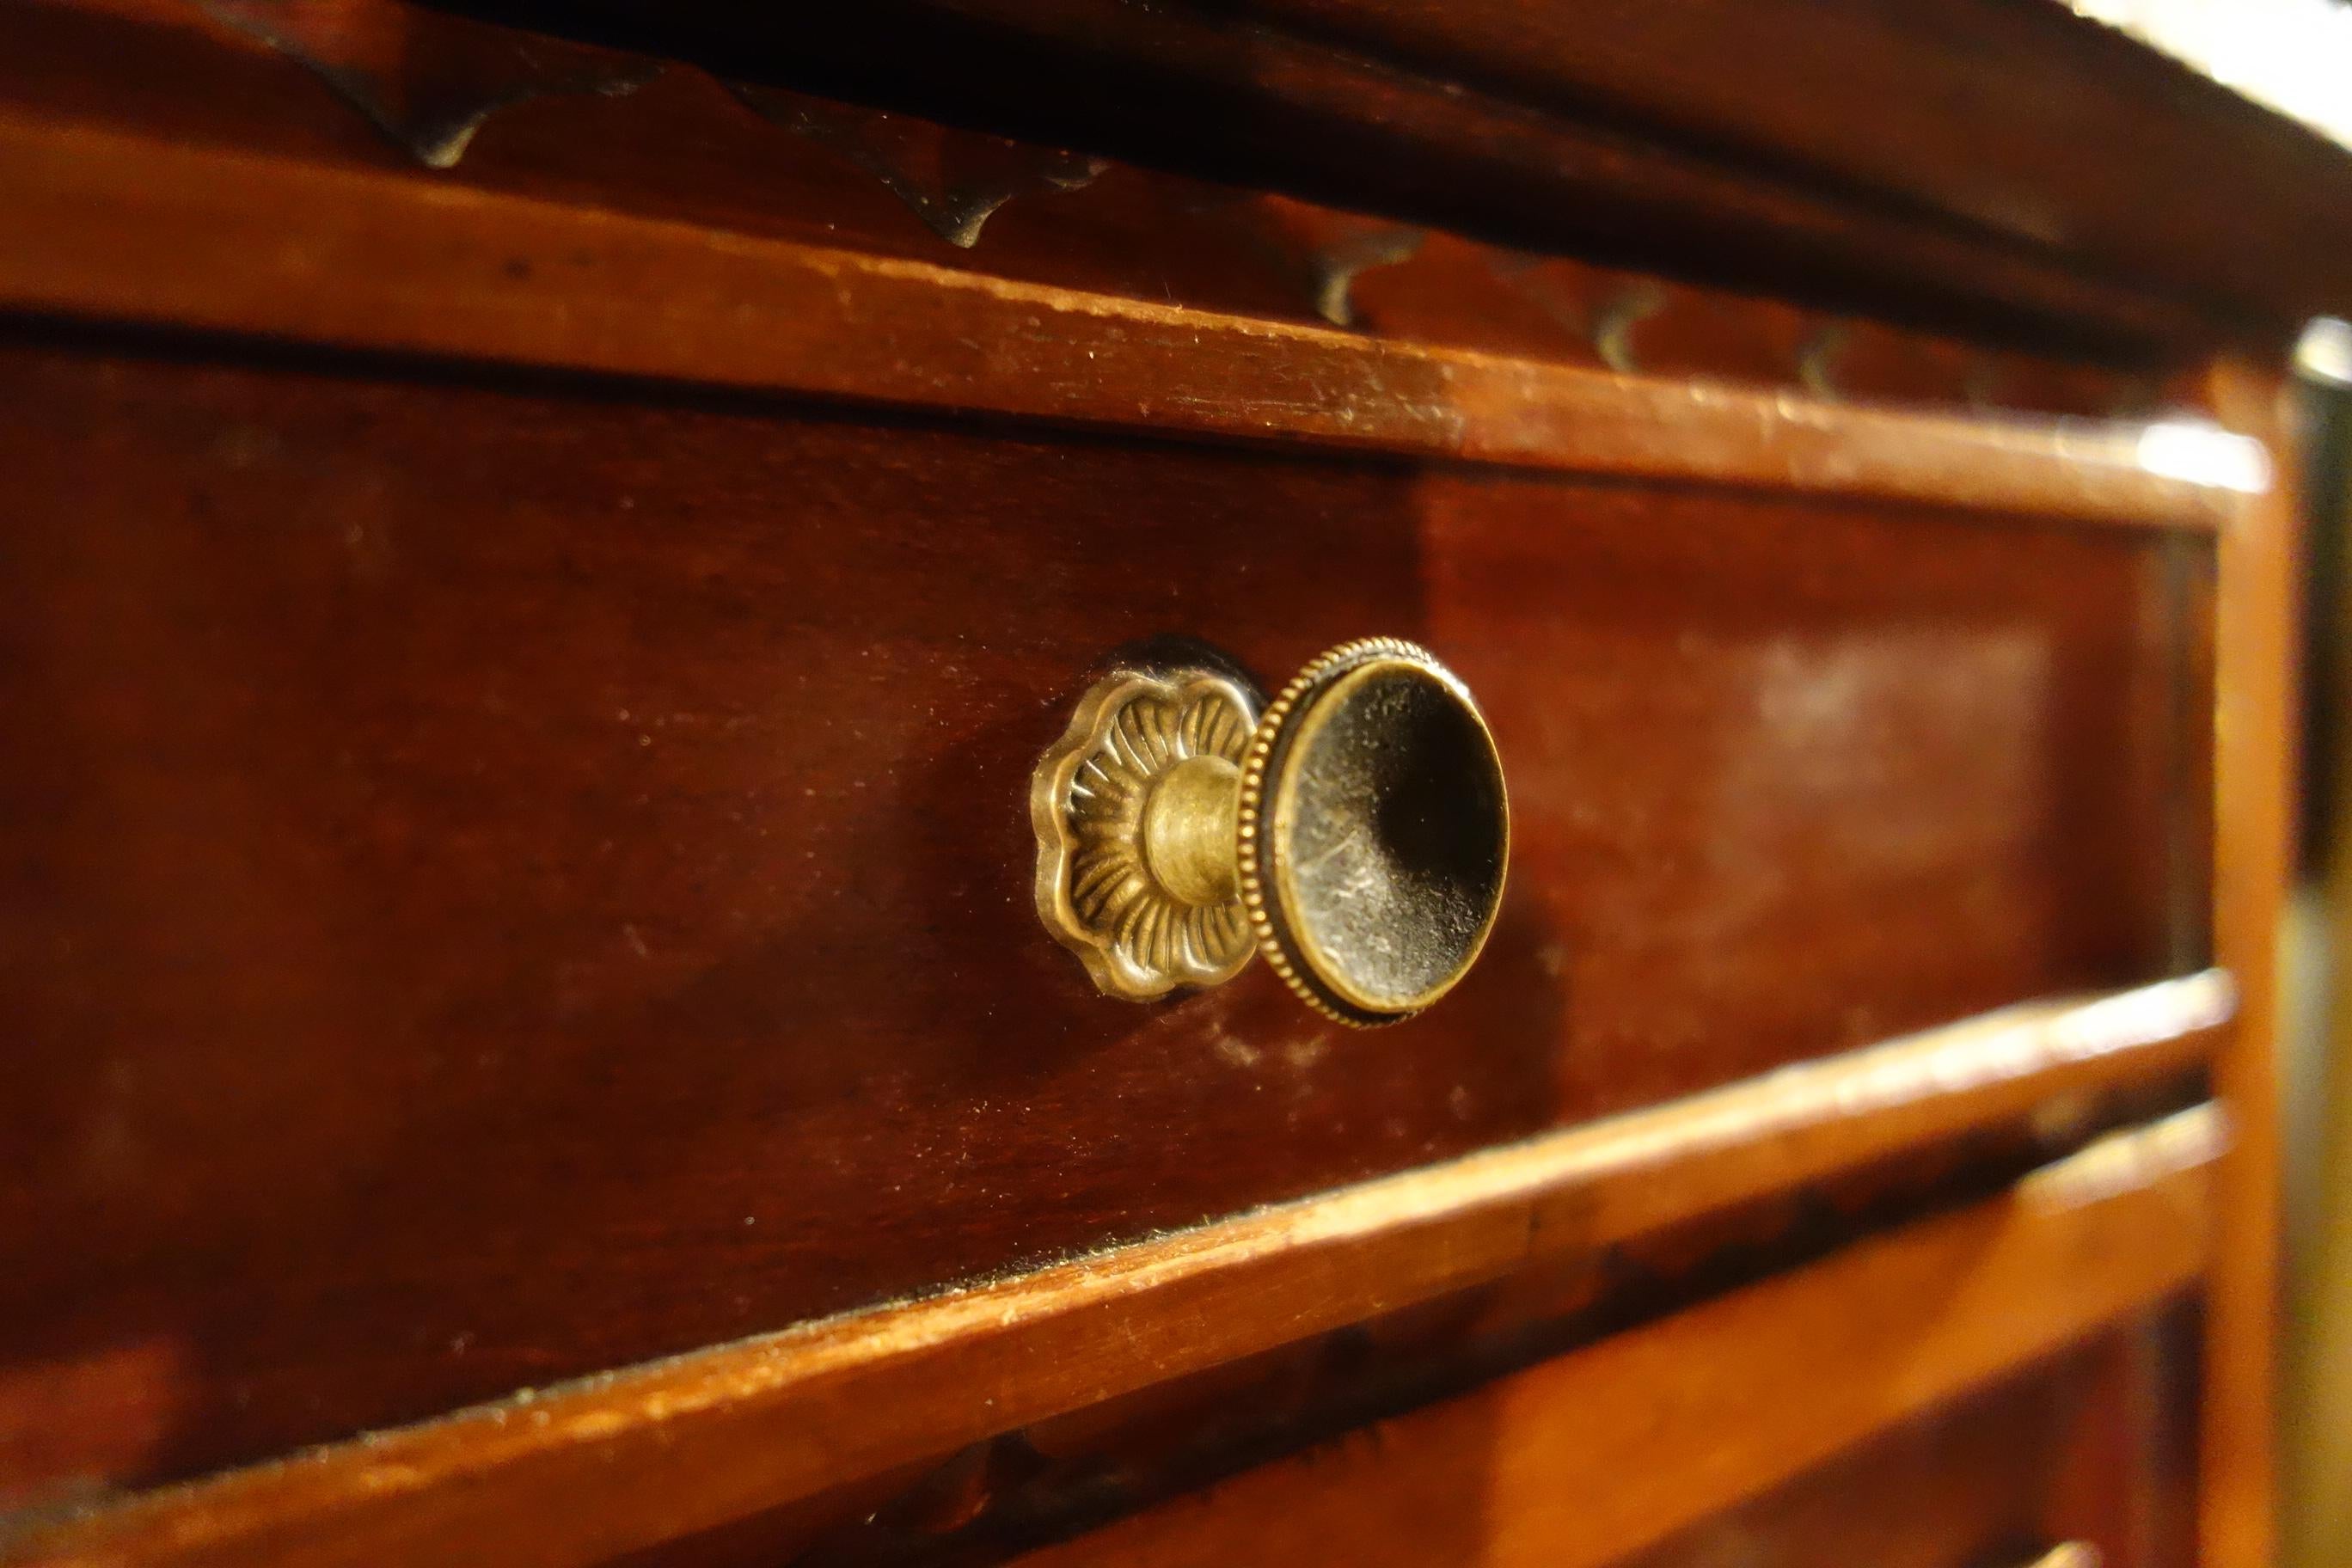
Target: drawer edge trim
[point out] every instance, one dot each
(628, 1459)
(120, 227)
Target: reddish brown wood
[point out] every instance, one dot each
(2007, 155)
(666, 140)
(2021, 120)
(1610, 1450)
(498, 865)
(511, 859)
(2255, 764)
(1985, 1483)
(680, 145)
(130, 228)
(2123, 1474)
(1954, 1490)
(1054, 1480)
(667, 1450)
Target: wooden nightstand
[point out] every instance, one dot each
(539, 567)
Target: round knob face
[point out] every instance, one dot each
(1374, 832)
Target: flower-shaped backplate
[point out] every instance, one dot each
(1096, 890)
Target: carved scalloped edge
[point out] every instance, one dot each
(1105, 937)
(437, 141)
(957, 214)
(1337, 267)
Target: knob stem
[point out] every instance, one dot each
(1190, 822)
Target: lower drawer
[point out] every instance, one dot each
(504, 880)
(2084, 1462)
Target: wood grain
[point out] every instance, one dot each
(2019, 119)
(619, 802)
(1057, 1480)
(1616, 169)
(519, 113)
(1598, 1454)
(2098, 1448)
(568, 1475)
(510, 862)
(132, 228)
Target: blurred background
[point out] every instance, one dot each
(2316, 1069)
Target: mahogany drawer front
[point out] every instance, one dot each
(2089, 1450)
(516, 880)
(539, 570)
(1846, 1411)
(2093, 1450)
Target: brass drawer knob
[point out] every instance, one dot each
(1356, 832)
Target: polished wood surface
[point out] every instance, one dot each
(1604, 1452)
(450, 102)
(539, 565)
(2005, 162)
(2044, 128)
(134, 229)
(678, 1447)
(478, 825)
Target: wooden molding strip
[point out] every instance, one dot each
(1579, 1460)
(634, 1457)
(2033, 165)
(121, 227)
(2256, 621)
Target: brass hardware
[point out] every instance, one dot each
(1357, 831)
(1136, 930)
